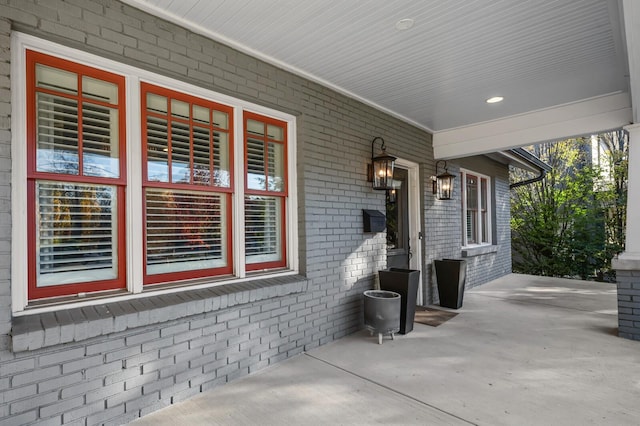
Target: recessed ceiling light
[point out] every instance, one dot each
(494, 100)
(404, 24)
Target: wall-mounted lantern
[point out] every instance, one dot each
(380, 171)
(443, 183)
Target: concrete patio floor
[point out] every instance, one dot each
(523, 350)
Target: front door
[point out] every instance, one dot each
(398, 248)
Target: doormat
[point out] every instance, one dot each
(432, 317)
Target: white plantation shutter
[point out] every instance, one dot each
(184, 147)
(57, 134)
(100, 141)
(157, 151)
(256, 177)
(180, 153)
(76, 233)
(186, 230)
(202, 156)
(276, 166)
(263, 219)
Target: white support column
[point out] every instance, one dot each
(627, 264)
(632, 249)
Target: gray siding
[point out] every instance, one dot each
(62, 371)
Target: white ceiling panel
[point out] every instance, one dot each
(437, 74)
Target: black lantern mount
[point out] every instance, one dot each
(443, 183)
(380, 171)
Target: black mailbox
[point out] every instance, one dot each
(374, 221)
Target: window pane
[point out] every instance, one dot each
(57, 134)
(255, 127)
(275, 133)
(55, 79)
(201, 155)
(276, 167)
(185, 231)
(484, 218)
(157, 150)
(99, 90)
(471, 227)
(77, 233)
(201, 114)
(221, 170)
(180, 153)
(472, 209)
(256, 178)
(156, 103)
(100, 149)
(221, 119)
(186, 147)
(263, 222)
(179, 109)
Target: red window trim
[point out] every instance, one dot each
(32, 59)
(212, 189)
(282, 195)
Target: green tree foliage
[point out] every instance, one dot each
(571, 223)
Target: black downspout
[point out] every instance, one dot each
(535, 161)
(541, 176)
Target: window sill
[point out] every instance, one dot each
(479, 250)
(42, 330)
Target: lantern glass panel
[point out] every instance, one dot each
(382, 173)
(445, 184)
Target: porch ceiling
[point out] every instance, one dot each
(438, 73)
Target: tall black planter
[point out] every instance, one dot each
(451, 275)
(405, 282)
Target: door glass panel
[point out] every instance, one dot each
(397, 212)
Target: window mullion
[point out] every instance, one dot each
(463, 196)
(238, 194)
(135, 193)
(479, 210)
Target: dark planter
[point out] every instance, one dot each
(382, 312)
(404, 282)
(451, 275)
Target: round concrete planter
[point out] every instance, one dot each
(382, 312)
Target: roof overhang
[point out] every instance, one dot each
(521, 159)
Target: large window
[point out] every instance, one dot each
(187, 186)
(476, 207)
(133, 179)
(75, 178)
